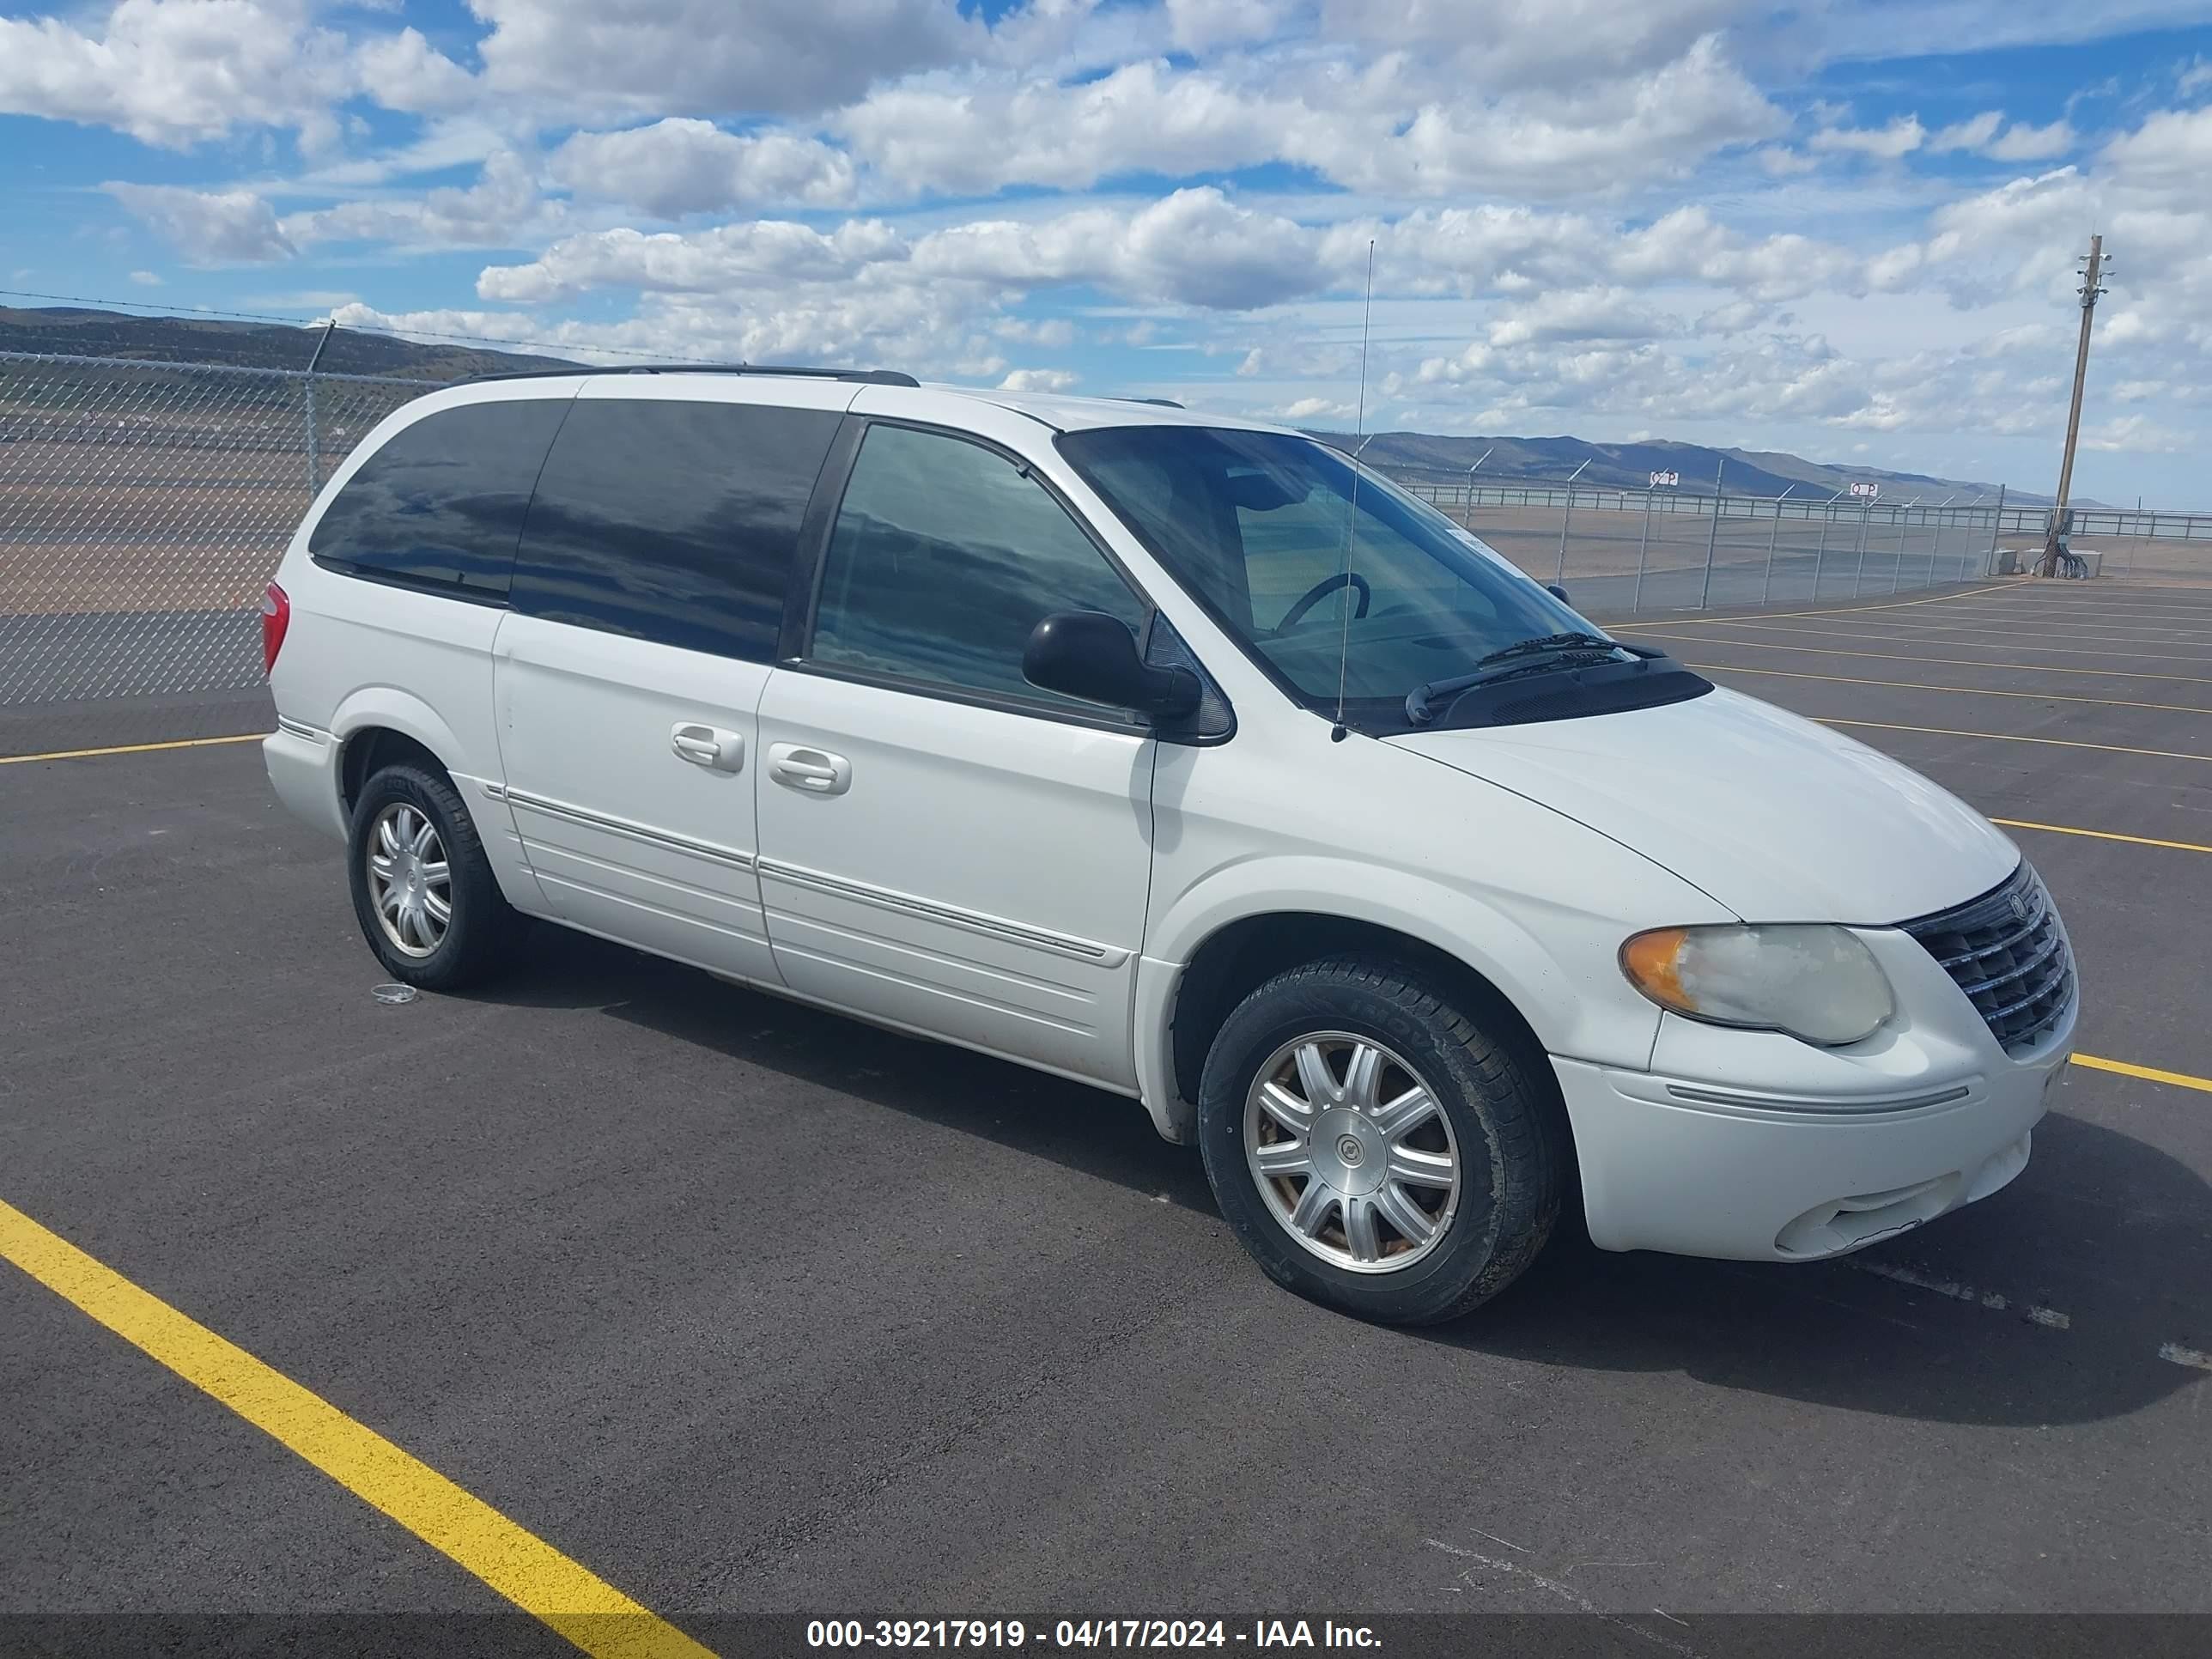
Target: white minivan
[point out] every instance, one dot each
(1179, 755)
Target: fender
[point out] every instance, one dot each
(1553, 960)
(403, 712)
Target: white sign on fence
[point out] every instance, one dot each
(1869, 490)
(1670, 479)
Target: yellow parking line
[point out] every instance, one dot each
(1915, 628)
(2103, 835)
(2123, 628)
(130, 749)
(1844, 610)
(1935, 631)
(2009, 736)
(2013, 608)
(2039, 645)
(522, 1567)
(1734, 644)
(2178, 1079)
(1963, 690)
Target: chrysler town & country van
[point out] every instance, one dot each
(1175, 755)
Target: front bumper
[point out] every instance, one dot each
(1698, 1169)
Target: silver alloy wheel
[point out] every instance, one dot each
(1352, 1153)
(410, 881)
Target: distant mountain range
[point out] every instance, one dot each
(248, 345)
(1740, 472)
(81, 332)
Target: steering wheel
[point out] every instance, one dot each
(1320, 591)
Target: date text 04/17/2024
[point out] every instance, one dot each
(1068, 1634)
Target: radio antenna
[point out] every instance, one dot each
(1351, 517)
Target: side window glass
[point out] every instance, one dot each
(946, 555)
(442, 503)
(673, 520)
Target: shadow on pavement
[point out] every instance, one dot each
(2133, 1267)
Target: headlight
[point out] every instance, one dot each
(1812, 981)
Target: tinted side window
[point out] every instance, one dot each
(944, 556)
(441, 504)
(671, 520)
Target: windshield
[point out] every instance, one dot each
(1254, 525)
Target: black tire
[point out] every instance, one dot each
(1512, 1141)
(481, 934)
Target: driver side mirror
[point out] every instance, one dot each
(1093, 656)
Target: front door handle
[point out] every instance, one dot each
(810, 771)
(708, 746)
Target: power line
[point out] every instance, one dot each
(387, 331)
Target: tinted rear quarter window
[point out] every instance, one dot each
(440, 505)
(672, 520)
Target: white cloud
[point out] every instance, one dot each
(2027, 143)
(1195, 247)
(681, 166)
(722, 260)
(1590, 313)
(2172, 147)
(1973, 133)
(146, 279)
(404, 72)
(1038, 380)
(684, 56)
(173, 72)
(1394, 128)
(1888, 143)
(501, 210)
(208, 227)
(1052, 331)
(1315, 409)
(1199, 25)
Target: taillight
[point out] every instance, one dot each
(276, 617)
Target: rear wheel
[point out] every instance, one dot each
(1374, 1147)
(422, 888)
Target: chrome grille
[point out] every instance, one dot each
(2008, 954)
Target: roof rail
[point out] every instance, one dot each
(865, 376)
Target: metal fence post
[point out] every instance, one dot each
(1643, 549)
(1705, 589)
(1996, 529)
(1568, 514)
(1897, 565)
(1774, 536)
(1858, 575)
(1821, 552)
(314, 438)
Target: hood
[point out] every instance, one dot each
(1774, 816)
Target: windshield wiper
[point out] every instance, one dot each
(1527, 656)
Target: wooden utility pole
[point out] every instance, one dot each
(2089, 291)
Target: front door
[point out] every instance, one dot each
(943, 845)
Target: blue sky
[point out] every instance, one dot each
(1847, 230)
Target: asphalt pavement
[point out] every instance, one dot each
(749, 1308)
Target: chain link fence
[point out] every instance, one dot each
(1622, 552)
(143, 507)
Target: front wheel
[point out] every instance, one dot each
(1374, 1147)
